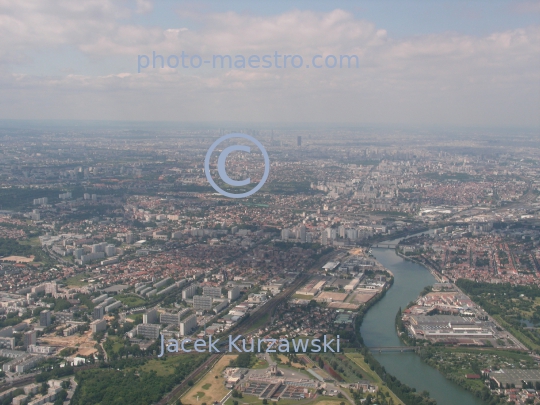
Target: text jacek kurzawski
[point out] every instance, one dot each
(239, 345)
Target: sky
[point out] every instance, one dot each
(419, 63)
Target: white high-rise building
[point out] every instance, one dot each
(189, 292)
(352, 234)
(331, 233)
(110, 250)
(233, 294)
(151, 316)
(188, 325)
(51, 288)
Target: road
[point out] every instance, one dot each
(245, 326)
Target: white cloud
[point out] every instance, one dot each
(432, 79)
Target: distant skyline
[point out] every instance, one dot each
(440, 63)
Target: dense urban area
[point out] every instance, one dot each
(112, 240)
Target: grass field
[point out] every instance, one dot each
(520, 336)
(358, 359)
(260, 365)
(135, 317)
(210, 389)
(506, 353)
(34, 242)
(163, 367)
(130, 300)
(303, 297)
(259, 323)
(285, 360)
(76, 281)
(118, 343)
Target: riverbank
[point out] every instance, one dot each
(434, 273)
(443, 359)
(406, 394)
(378, 330)
(455, 364)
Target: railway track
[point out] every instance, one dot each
(198, 372)
(267, 308)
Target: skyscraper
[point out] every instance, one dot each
(299, 141)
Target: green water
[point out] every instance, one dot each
(378, 329)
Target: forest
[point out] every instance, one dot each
(130, 382)
(515, 307)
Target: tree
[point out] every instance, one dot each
(236, 394)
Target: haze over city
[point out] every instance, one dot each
(303, 202)
(446, 63)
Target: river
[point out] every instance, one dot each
(378, 329)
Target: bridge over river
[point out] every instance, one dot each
(385, 245)
(402, 349)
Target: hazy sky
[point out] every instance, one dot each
(447, 63)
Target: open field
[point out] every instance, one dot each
(260, 365)
(259, 323)
(131, 301)
(77, 340)
(34, 242)
(210, 389)
(358, 359)
(134, 317)
(303, 297)
(18, 259)
(162, 367)
(520, 336)
(320, 400)
(86, 351)
(76, 281)
(285, 360)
